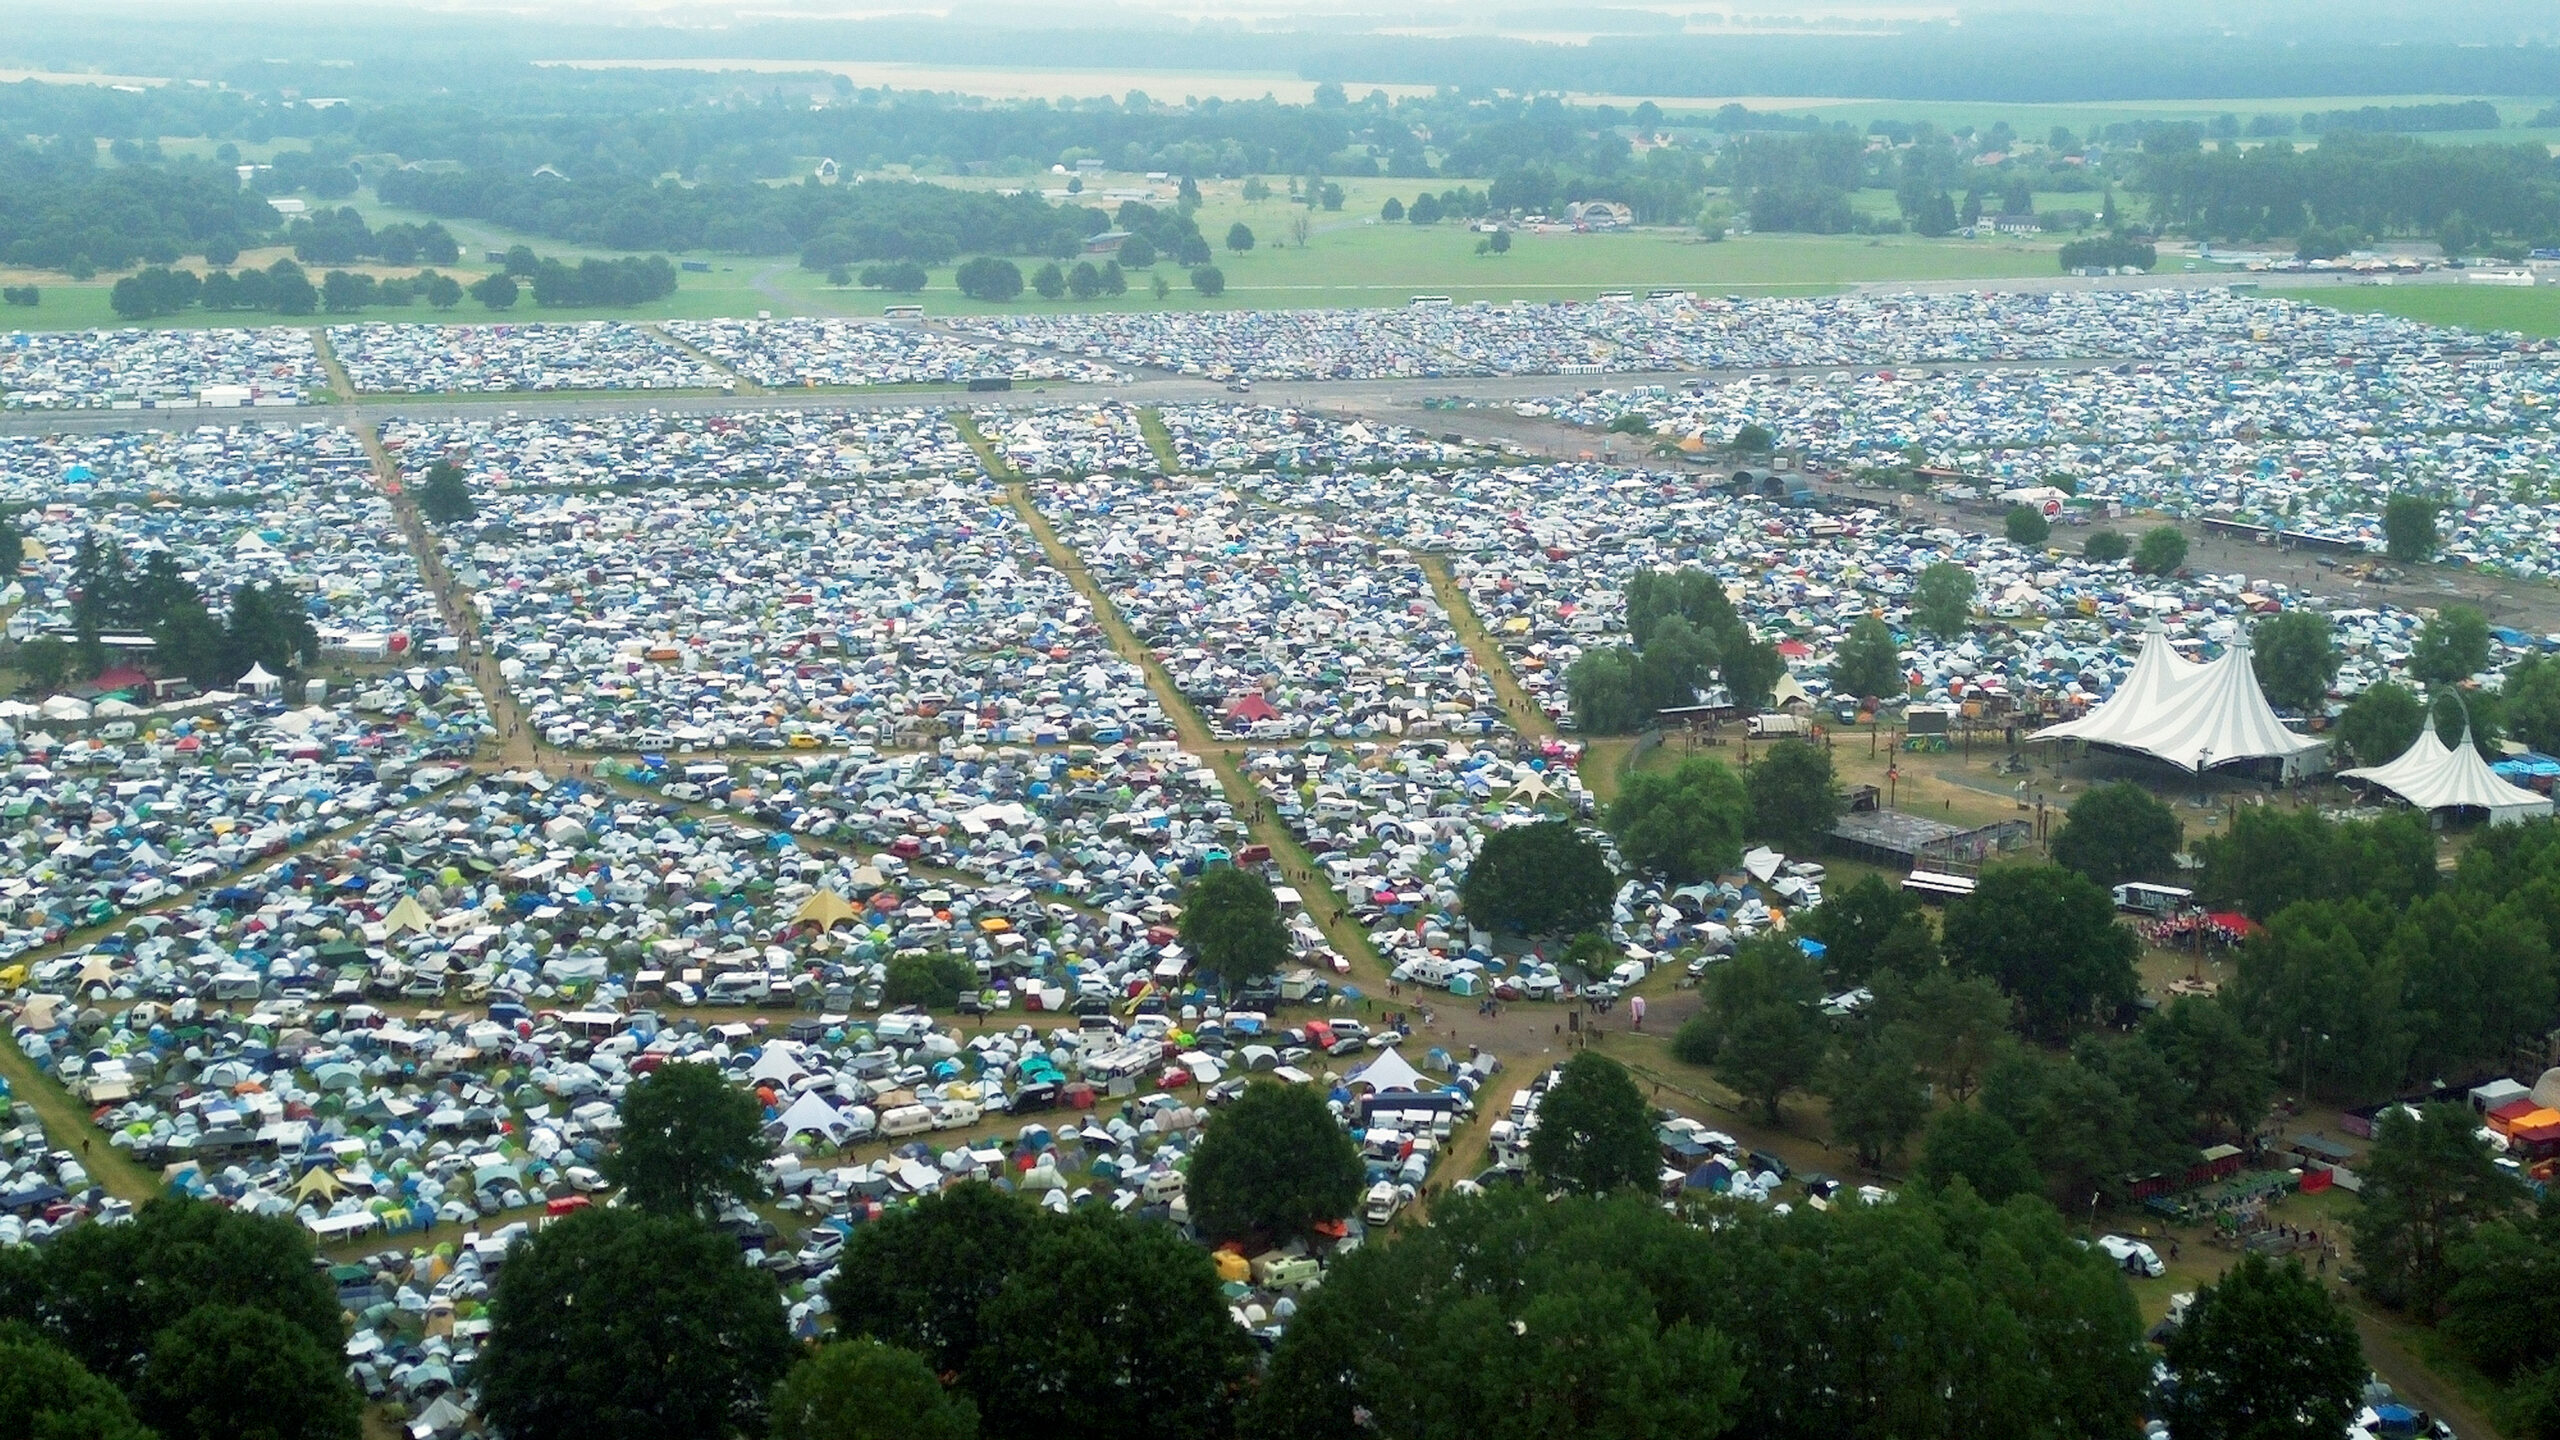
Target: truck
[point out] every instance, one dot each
(2154, 900)
(989, 384)
(1769, 727)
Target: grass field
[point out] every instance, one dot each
(2473, 307)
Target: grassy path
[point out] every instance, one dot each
(745, 385)
(1526, 714)
(517, 746)
(330, 363)
(1324, 905)
(1159, 439)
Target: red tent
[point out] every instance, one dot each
(1250, 709)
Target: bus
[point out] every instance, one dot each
(903, 312)
(2154, 900)
(1431, 300)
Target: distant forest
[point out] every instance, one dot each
(686, 162)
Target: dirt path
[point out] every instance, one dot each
(1159, 439)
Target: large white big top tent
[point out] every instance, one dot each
(2431, 776)
(2196, 717)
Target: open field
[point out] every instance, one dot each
(2475, 307)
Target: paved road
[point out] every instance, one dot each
(1160, 389)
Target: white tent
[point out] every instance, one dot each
(258, 681)
(811, 1114)
(1390, 1071)
(777, 1065)
(2193, 716)
(2432, 777)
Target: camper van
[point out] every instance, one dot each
(906, 1120)
(2142, 899)
(1384, 1200)
(2133, 1256)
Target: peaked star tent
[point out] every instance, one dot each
(2196, 717)
(1390, 1071)
(407, 915)
(811, 1115)
(826, 910)
(2432, 777)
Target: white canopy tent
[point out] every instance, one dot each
(2193, 716)
(2432, 777)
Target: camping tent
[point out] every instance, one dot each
(2195, 717)
(2431, 776)
(809, 1114)
(259, 681)
(826, 910)
(1390, 1071)
(408, 915)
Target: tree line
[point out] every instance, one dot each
(61, 210)
(2365, 184)
(285, 288)
(267, 625)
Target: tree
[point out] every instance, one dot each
(444, 496)
(1758, 1030)
(899, 277)
(1500, 240)
(2530, 695)
(934, 981)
(1593, 1134)
(2106, 547)
(1942, 601)
(1953, 1026)
(1869, 663)
(691, 1142)
(1137, 252)
(45, 1394)
(1049, 281)
(1604, 691)
(2294, 659)
(1108, 1327)
(2408, 528)
(919, 1276)
(2050, 940)
(45, 663)
(1085, 281)
(2265, 1353)
(2118, 832)
(443, 292)
(1512, 1317)
(1273, 1165)
(1754, 439)
(187, 640)
(1794, 796)
(227, 1371)
(2429, 1183)
(2163, 549)
(1687, 825)
(2224, 1068)
(2026, 526)
(497, 292)
(1209, 280)
(2452, 646)
(989, 279)
(864, 1390)
(1973, 1145)
(1186, 196)
(2506, 1299)
(1392, 211)
(1876, 1101)
(1239, 237)
(1231, 921)
(1538, 879)
(1853, 920)
(107, 1290)
(2381, 722)
(1256, 190)
(623, 1323)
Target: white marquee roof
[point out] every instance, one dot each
(2433, 777)
(2193, 716)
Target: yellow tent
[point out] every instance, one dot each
(1232, 1266)
(408, 915)
(826, 910)
(320, 1183)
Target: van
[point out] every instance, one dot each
(237, 987)
(2134, 1257)
(1163, 1189)
(906, 1120)
(739, 987)
(956, 1113)
(115, 730)
(1382, 1203)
